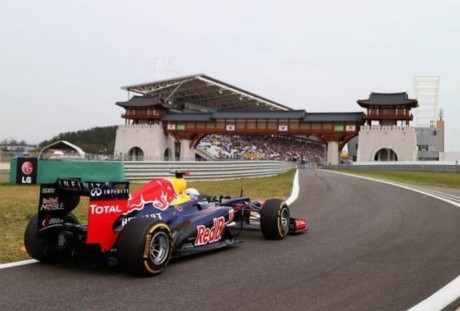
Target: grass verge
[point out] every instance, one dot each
(447, 180)
(19, 203)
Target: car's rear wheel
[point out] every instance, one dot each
(145, 246)
(274, 219)
(45, 248)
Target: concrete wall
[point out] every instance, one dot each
(401, 139)
(150, 138)
(450, 156)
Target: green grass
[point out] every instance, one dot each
(18, 203)
(448, 180)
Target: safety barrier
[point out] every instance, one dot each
(205, 170)
(47, 171)
(428, 167)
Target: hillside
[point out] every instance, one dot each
(97, 140)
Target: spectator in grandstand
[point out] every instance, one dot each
(265, 147)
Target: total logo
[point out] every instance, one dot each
(210, 235)
(95, 209)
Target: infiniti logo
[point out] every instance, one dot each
(95, 192)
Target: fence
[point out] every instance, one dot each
(205, 170)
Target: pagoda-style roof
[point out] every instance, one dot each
(388, 99)
(142, 101)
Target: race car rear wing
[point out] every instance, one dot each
(58, 199)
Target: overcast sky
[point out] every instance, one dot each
(62, 63)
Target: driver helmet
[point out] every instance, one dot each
(192, 193)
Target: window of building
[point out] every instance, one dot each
(426, 148)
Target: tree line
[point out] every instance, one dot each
(97, 140)
(13, 142)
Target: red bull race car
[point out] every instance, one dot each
(144, 230)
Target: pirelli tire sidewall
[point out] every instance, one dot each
(135, 245)
(274, 219)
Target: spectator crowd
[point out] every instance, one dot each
(263, 147)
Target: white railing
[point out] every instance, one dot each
(205, 170)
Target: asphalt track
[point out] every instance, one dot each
(371, 246)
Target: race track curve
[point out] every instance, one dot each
(370, 246)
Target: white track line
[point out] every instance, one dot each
(449, 293)
(17, 263)
(295, 189)
(448, 196)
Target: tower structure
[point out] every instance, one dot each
(143, 137)
(387, 136)
(426, 93)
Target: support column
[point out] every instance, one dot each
(187, 153)
(332, 152)
(172, 148)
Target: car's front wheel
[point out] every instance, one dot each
(145, 246)
(274, 219)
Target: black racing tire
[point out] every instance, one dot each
(44, 249)
(145, 246)
(274, 219)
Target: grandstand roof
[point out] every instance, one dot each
(200, 92)
(388, 99)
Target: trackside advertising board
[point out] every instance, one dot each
(26, 171)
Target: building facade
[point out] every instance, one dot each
(430, 142)
(387, 136)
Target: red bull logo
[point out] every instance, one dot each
(160, 193)
(210, 235)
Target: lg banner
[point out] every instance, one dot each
(26, 172)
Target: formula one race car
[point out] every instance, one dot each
(160, 220)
